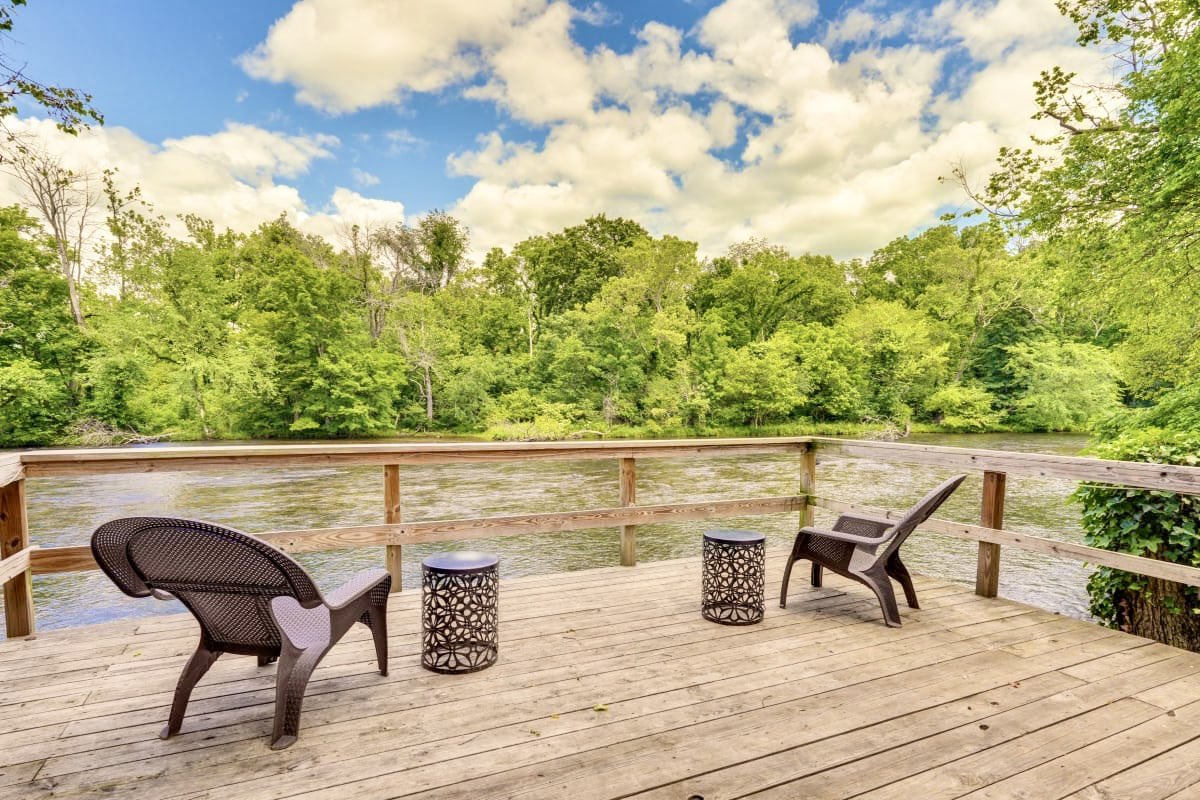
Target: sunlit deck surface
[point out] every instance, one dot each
(610, 684)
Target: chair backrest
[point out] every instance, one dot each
(920, 512)
(224, 577)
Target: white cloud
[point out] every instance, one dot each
(347, 208)
(344, 55)
(597, 14)
(364, 178)
(539, 73)
(861, 25)
(837, 156)
(231, 177)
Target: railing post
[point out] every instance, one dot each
(991, 515)
(14, 537)
(808, 484)
(628, 476)
(391, 515)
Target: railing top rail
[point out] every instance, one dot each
(96, 461)
(1138, 474)
(85, 461)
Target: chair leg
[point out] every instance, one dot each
(376, 620)
(787, 571)
(264, 661)
(295, 668)
(881, 585)
(817, 575)
(896, 569)
(196, 666)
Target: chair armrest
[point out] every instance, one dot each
(301, 627)
(359, 584)
(842, 536)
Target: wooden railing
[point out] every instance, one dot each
(20, 560)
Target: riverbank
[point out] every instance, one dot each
(541, 431)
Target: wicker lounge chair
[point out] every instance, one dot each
(867, 549)
(249, 598)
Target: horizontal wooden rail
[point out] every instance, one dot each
(1166, 570)
(15, 564)
(1167, 477)
(101, 461)
(69, 559)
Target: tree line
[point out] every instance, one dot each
(600, 327)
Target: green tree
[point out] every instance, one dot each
(834, 366)
(761, 384)
(963, 408)
(905, 356)
(34, 404)
(35, 321)
(758, 288)
(567, 269)
(1064, 385)
(427, 256)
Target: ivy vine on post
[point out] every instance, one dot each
(1154, 524)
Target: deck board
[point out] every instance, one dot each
(971, 698)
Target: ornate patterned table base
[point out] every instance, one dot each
(734, 576)
(459, 630)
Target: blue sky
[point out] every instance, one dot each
(821, 127)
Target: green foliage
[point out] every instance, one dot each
(34, 403)
(35, 321)
(566, 270)
(963, 408)
(1178, 410)
(598, 330)
(905, 356)
(759, 288)
(761, 384)
(1160, 525)
(1064, 385)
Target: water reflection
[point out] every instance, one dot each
(64, 511)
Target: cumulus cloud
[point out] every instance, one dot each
(810, 151)
(344, 55)
(348, 208)
(232, 177)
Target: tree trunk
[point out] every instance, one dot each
(200, 407)
(68, 272)
(428, 396)
(1149, 613)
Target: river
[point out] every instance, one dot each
(64, 511)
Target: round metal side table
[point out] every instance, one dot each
(459, 623)
(734, 577)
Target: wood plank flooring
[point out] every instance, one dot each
(609, 685)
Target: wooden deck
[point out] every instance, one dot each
(610, 684)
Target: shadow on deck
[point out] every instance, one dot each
(610, 684)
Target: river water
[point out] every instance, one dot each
(64, 511)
